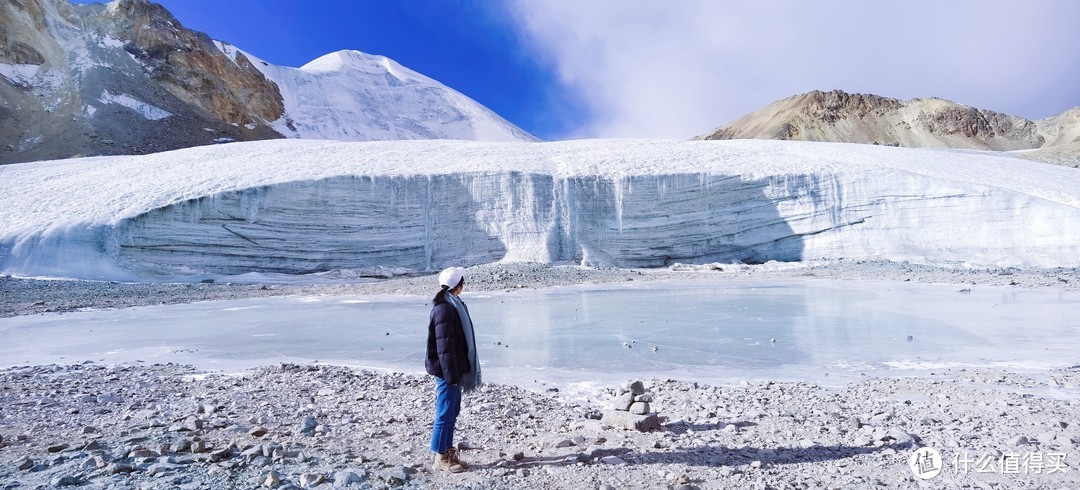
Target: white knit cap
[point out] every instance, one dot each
(451, 276)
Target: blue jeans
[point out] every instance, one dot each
(447, 407)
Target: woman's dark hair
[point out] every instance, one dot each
(440, 297)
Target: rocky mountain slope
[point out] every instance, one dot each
(127, 78)
(872, 119)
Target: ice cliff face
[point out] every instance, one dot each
(127, 78)
(314, 207)
(430, 222)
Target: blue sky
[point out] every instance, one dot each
(641, 68)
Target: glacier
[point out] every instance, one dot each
(302, 206)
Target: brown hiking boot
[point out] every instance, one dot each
(453, 455)
(443, 463)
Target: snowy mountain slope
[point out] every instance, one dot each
(918, 123)
(354, 96)
(127, 78)
(308, 206)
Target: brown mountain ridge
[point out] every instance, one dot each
(918, 123)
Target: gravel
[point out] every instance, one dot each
(172, 426)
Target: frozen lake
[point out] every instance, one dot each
(714, 332)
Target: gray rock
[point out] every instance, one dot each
(258, 431)
(627, 420)
(119, 467)
(64, 481)
(181, 446)
(564, 443)
(272, 479)
(141, 452)
(219, 455)
(637, 388)
(349, 477)
(308, 426)
(192, 424)
(623, 402)
(396, 475)
(161, 468)
(643, 398)
(252, 452)
(311, 480)
(24, 463)
(640, 408)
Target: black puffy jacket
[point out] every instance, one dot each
(447, 350)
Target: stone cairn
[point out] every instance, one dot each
(631, 409)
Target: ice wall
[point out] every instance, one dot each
(429, 222)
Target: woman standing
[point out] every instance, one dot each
(452, 359)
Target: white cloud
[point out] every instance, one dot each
(679, 69)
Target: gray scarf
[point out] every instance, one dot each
(469, 381)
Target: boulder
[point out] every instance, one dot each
(630, 421)
(623, 402)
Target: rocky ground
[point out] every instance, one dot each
(287, 426)
(311, 426)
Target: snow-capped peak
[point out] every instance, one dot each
(350, 95)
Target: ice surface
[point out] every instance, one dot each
(297, 207)
(824, 331)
